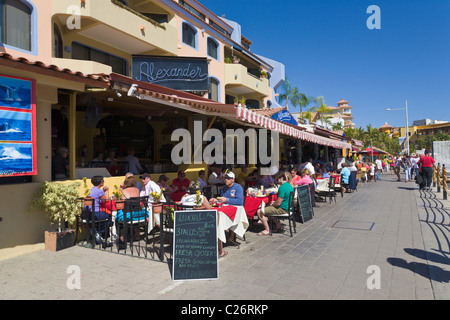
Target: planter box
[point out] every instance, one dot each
(55, 241)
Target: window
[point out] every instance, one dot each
(252, 104)
(212, 48)
(15, 24)
(189, 35)
(81, 52)
(57, 42)
(213, 89)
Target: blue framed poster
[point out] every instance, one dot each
(17, 127)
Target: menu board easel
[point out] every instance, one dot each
(195, 248)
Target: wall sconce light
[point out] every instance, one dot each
(235, 76)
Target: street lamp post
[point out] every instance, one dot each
(407, 128)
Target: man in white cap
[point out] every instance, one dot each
(232, 193)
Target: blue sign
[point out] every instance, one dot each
(284, 116)
(179, 73)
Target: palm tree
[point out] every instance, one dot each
(337, 126)
(288, 93)
(321, 108)
(301, 100)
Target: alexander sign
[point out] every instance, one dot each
(180, 73)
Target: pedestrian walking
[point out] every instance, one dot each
(379, 165)
(397, 165)
(426, 164)
(407, 166)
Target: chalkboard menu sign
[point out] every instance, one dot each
(304, 203)
(195, 245)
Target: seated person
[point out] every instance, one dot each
(267, 181)
(280, 206)
(180, 186)
(295, 177)
(345, 172)
(252, 178)
(306, 178)
(100, 193)
(232, 193)
(242, 176)
(190, 198)
(217, 176)
(162, 183)
(201, 179)
(138, 184)
(129, 190)
(98, 160)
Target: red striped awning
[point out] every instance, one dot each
(271, 124)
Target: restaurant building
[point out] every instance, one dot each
(110, 75)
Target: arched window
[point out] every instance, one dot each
(57, 42)
(213, 48)
(189, 35)
(15, 24)
(213, 93)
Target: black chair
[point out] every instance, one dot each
(89, 219)
(339, 187)
(331, 189)
(352, 182)
(312, 192)
(133, 222)
(207, 192)
(290, 215)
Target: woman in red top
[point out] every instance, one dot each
(295, 177)
(180, 186)
(426, 164)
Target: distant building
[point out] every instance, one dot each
(426, 122)
(341, 114)
(386, 128)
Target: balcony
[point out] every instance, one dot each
(239, 82)
(117, 26)
(84, 66)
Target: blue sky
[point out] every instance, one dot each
(328, 51)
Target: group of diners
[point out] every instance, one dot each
(185, 193)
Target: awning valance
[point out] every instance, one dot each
(271, 124)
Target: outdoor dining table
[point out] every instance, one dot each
(231, 218)
(252, 204)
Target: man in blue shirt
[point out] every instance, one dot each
(232, 193)
(345, 173)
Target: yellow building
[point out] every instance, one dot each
(93, 68)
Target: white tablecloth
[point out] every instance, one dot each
(322, 185)
(238, 226)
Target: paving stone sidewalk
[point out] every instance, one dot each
(391, 225)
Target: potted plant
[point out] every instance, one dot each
(87, 200)
(198, 201)
(236, 60)
(264, 74)
(157, 205)
(60, 202)
(117, 193)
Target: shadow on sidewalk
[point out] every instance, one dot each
(427, 271)
(440, 257)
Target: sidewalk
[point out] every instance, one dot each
(389, 224)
